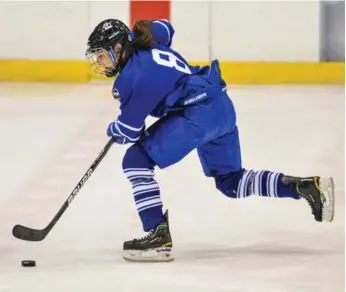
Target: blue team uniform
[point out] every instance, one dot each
(191, 103)
(194, 112)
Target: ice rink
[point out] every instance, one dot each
(51, 133)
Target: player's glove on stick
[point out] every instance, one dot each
(114, 132)
(123, 134)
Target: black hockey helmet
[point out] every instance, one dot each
(101, 43)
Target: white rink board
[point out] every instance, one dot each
(228, 30)
(51, 133)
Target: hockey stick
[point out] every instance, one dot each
(26, 233)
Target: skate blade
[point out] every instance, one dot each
(327, 190)
(163, 254)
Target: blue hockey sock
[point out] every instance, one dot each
(244, 183)
(268, 184)
(139, 169)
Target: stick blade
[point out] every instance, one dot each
(29, 234)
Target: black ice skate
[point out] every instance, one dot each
(318, 192)
(156, 246)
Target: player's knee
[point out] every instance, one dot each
(228, 184)
(137, 160)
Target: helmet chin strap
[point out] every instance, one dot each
(120, 63)
(113, 72)
(111, 54)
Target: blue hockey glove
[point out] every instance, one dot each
(114, 132)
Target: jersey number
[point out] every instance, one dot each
(170, 60)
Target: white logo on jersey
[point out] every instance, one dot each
(196, 98)
(116, 93)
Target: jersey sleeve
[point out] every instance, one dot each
(147, 94)
(163, 32)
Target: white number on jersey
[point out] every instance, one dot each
(170, 61)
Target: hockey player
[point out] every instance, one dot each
(194, 111)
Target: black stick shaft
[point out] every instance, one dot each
(80, 184)
(30, 234)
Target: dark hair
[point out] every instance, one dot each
(143, 34)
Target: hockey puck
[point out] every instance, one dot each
(28, 263)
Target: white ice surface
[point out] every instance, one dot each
(51, 133)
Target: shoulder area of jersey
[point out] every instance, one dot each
(139, 60)
(152, 57)
(142, 54)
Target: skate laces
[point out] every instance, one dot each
(148, 235)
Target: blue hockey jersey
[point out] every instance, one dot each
(156, 81)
